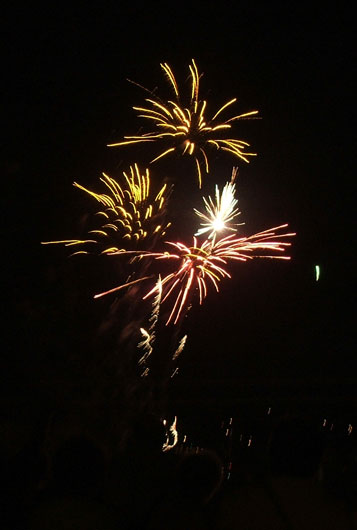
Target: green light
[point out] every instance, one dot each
(317, 272)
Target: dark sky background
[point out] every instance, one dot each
(66, 97)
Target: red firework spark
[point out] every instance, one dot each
(205, 263)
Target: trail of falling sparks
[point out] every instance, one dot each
(149, 336)
(187, 130)
(171, 433)
(179, 348)
(204, 263)
(130, 212)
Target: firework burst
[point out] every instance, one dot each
(220, 211)
(186, 129)
(204, 264)
(130, 213)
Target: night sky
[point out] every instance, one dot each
(67, 96)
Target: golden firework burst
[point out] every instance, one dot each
(187, 129)
(131, 213)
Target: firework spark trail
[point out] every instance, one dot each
(187, 130)
(149, 336)
(179, 348)
(131, 213)
(125, 285)
(171, 435)
(181, 343)
(207, 261)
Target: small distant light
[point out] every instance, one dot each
(174, 372)
(324, 422)
(317, 272)
(269, 411)
(229, 475)
(250, 441)
(350, 428)
(331, 428)
(227, 432)
(184, 439)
